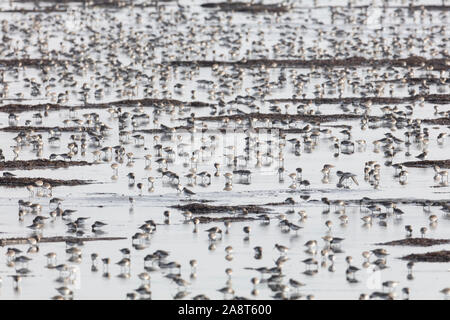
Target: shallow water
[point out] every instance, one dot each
(107, 200)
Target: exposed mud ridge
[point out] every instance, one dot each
(41, 129)
(88, 2)
(29, 62)
(436, 256)
(203, 219)
(14, 182)
(246, 7)
(430, 8)
(416, 80)
(413, 61)
(432, 98)
(438, 121)
(199, 208)
(198, 200)
(100, 3)
(40, 164)
(13, 241)
(279, 117)
(418, 242)
(293, 130)
(427, 163)
(16, 107)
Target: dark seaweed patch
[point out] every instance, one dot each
(246, 7)
(13, 241)
(427, 163)
(437, 256)
(124, 103)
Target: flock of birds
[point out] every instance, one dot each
(157, 143)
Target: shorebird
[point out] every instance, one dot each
(64, 291)
(38, 226)
(105, 262)
(193, 263)
(423, 230)
(294, 227)
(351, 270)
(258, 252)
(405, 292)
(97, 225)
(187, 215)
(255, 281)
(125, 251)
(144, 291)
(367, 220)
(440, 176)
(433, 219)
